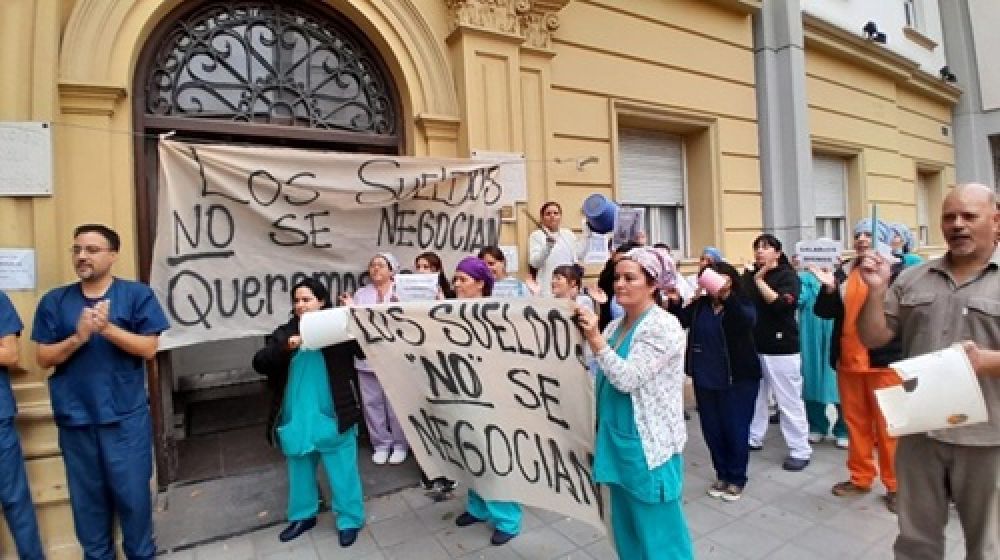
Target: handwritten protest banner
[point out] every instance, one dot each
(238, 226)
(493, 393)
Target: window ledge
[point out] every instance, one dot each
(919, 38)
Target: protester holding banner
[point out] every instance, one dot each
(861, 371)
(722, 362)
(550, 246)
(819, 378)
(98, 333)
(430, 263)
(473, 279)
(640, 418)
(903, 244)
(388, 443)
(948, 300)
(497, 261)
(773, 285)
(15, 493)
(318, 420)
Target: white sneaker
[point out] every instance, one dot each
(842, 442)
(380, 456)
(815, 437)
(398, 456)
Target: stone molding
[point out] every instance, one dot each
(76, 98)
(533, 21)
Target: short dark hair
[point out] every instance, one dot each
(546, 206)
(573, 273)
(493, 251)
(767, 240)
(432, 258)
(316, 287)
(111, 235)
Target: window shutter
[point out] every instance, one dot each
(829, 176)
(651, 170)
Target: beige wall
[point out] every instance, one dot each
(887, 123)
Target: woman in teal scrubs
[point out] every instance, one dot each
(640, 414)
(473, 279)
(318, 419)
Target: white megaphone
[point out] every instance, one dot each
(325, 327)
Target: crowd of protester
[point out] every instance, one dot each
(817, 342)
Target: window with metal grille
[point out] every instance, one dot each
(651, 176)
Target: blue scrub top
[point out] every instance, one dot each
(708, 350)
(99, 383)
(10, 323)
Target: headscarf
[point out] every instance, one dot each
(477, 269)
(657, 263)
(883, 234)
(390, 260)
(903, 231)
(713, 253)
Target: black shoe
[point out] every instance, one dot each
(753, 447)
(793, 464)
(348, 536)
(501, 537)
(687, 415)
(444, 485)
(296, 528)
(774, 418)
(467, 519)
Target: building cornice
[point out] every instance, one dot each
(827, 37)
(77, 98)
(744, 6)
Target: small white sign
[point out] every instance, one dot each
(823, 253)
(629, 223)
(512, 174)
(508, 288)
(597, 249)
(511, 257)
(25, 158)
(416, 287)
(940, 390)
(17, 269)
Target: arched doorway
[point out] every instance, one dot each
(276, 72)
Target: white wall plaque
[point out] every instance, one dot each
(25, 159)
(17, 269)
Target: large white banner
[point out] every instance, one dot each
(238, 226)
(492, 393)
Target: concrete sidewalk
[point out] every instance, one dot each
(782, 515)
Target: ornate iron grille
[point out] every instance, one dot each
(267, 62)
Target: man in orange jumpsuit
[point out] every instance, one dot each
(860, 371)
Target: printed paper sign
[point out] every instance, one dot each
(629, 224)
(823, 253)
(508, 288)
(238, 226)
(597, 249)
(492, 393)
(416, 287)
(939, 391)
(17, 269)
(512, 174)
(512, 258)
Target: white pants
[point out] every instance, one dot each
(783, 375)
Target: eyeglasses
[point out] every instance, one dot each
(88, 249)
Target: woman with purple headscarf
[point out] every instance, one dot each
(640, 411)
(473, 279)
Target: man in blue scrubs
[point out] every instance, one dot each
(15, 495)
(98, 333)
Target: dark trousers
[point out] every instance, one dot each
(108, 467)
(725, 423)
(15, 495)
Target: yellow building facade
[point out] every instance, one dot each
(556, 80)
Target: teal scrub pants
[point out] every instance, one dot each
(341, 465)
(819, 423)
(505, 516)
(648, 531)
